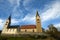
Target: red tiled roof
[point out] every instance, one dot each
(28, 27)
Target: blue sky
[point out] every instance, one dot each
(24, 11)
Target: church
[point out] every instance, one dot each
(17, 29)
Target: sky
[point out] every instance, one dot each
(23, 12)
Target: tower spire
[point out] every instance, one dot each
(9, 17)
(37, 13)
(38, 23)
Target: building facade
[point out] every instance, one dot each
(15, 29)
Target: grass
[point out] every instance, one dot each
(26, 38)
(51, 37)
(16, 38)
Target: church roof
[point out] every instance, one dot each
(28, 27)
(14, 26)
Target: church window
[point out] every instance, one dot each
(6, 24)
(9, 29)
(25, 30)
(18, 29)
(37, 19)
(33, 30)
(12, 29)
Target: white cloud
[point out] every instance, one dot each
(29, 17)
(26, 3)
(52, 13)
(17, 3)
(11, 1)
(14, 2)
(57, 26)
(14, 21)
(1, 23)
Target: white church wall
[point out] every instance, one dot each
(10, 31)
(28, 30)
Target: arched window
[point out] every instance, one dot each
(25, 30)
(9, 29)
(37, 19)
(6, 24)
(33, 30)
(13, 29)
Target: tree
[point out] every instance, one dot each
(43, 29)
(52, 28)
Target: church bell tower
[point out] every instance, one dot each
(7, 24)
(38, 23)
